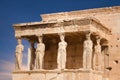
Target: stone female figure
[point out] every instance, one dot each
(87, 52)
(19, 55)
(40, 51)
(61, 58)
(97, 56)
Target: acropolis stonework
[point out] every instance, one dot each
(76, 45)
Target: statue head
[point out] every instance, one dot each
(40, 38)
(62, 36)
(98, 39)
(88, 36)
(19, 40)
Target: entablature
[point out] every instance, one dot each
(66, 26)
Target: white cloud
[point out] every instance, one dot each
(5, 76)
(7, 65)
(6, 69)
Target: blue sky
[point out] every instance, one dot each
(19, 11)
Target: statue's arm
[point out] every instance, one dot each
(44, 47)
(66, 44)
(85, 45)
(22, 47)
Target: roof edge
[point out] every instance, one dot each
(52, 16)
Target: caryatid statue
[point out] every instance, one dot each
(40, 51)
(19, 54)
(97, 55)
(61, 57)
(87, 52)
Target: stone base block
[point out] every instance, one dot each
(57, 75)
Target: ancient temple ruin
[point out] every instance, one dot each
(70, 46)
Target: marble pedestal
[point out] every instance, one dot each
(57, 75)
